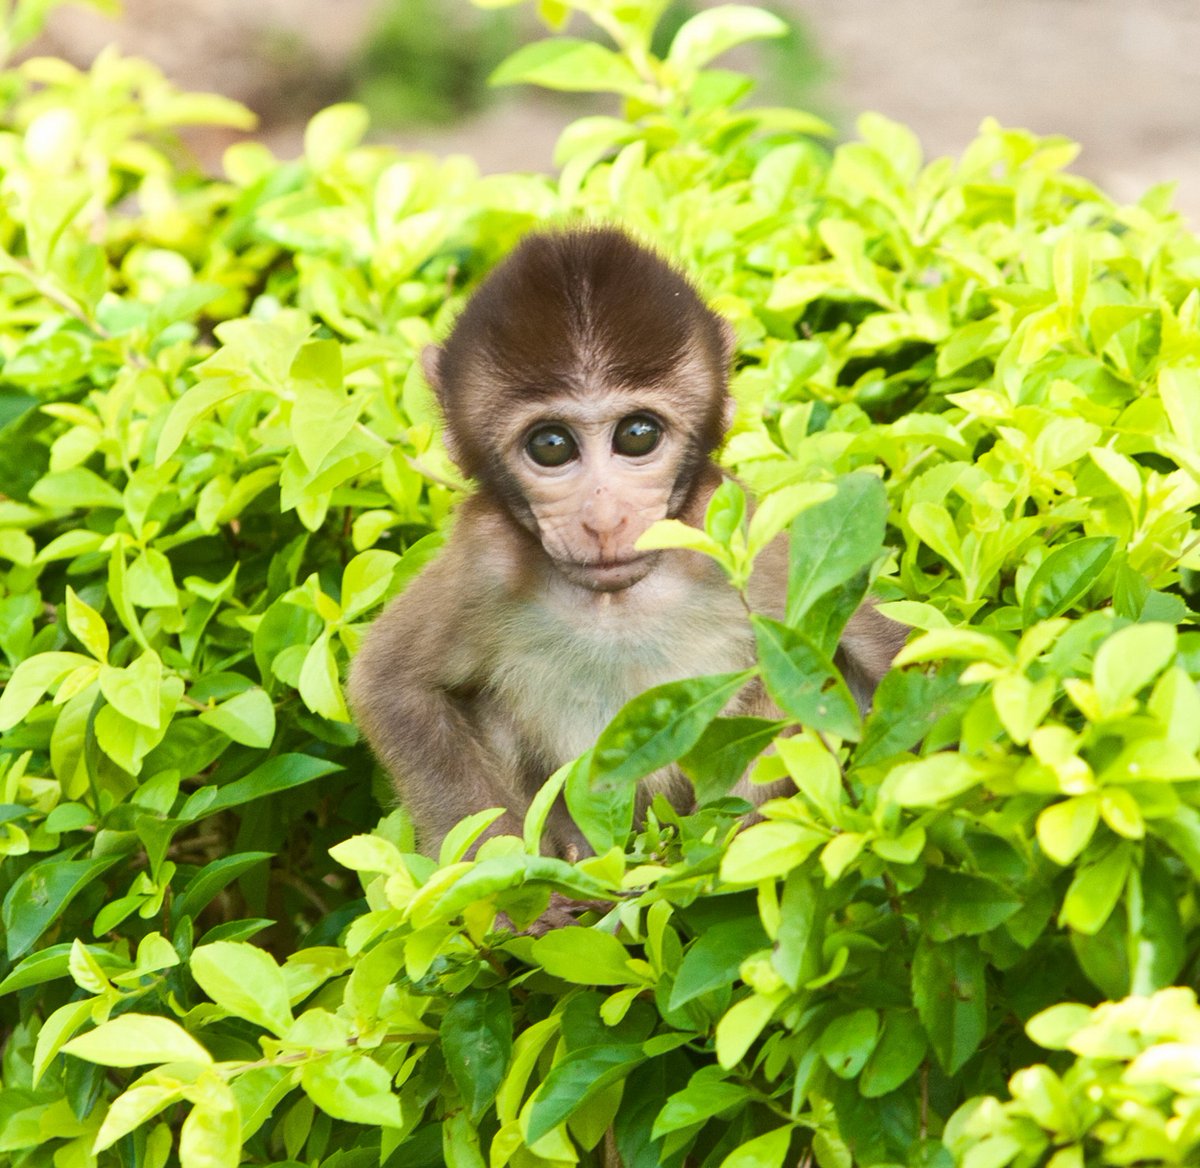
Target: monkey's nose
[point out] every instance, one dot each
(603, 517)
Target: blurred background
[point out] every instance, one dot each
(1122, 77)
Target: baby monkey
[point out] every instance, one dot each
(584, 389)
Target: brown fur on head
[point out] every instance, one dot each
(578, 312)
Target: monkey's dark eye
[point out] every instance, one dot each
(551, 446)
(636, 435)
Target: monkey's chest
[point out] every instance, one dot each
(560, 681)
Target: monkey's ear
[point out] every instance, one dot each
(431, 366)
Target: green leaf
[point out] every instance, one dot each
(950, 994)
(134, 691)
(248, 718)
(741, 1024)
(648, 733)
(244, 981)
(198, 401)
(848, 1041)
(133, 1040)
(1095, 890)
(929, 781)
(1064, 577)
(803, 681)
(210, 880)
(905, 707)
(834, 540)
(716, 30)
(656, 727)
(320, 682)
(366, 580)
(476, 1034)
(575, 1079)
(281, 773)
(778, 509)
(713, 960)
(705, 1097)
(569, 64)
(585, 956)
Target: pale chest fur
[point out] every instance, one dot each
(567, 663)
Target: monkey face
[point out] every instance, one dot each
(595, 472)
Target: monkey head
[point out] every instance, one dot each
(585, 387)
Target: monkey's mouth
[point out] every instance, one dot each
(608, 575)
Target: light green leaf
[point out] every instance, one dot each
(245, 981)
(741, 1024)
(320, 683)
(211, 1135)
(87, 625)
(131, 1110)
(671, 533)
(365, 581)
(248, 718)
(30, 681)
(767, 850)
(133, 1040)
(352, 1086)
(1065, 829)
(932, 780)
(716, 30)
(779, 508)
(569, 64)
(766, 1151)
(1130, 659)
(585, 957)
(333, 132)
(135, 690)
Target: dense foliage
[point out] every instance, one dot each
(972, 385)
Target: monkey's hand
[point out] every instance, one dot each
(563, 911)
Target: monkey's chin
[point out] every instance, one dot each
(614, 577)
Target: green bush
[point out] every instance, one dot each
(974, 385)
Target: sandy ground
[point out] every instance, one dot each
(1122, 77)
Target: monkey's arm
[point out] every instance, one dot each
(416, 686)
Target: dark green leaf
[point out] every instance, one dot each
(950, 993)
(39, 895)
(907, 705)
(834, 540)
(803, 681)
(281, 773)
(959, 904)
(724, 753)
(579, 1076)
(713, 959)
(210, 880)
(476, 1034)
(899, 1051)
